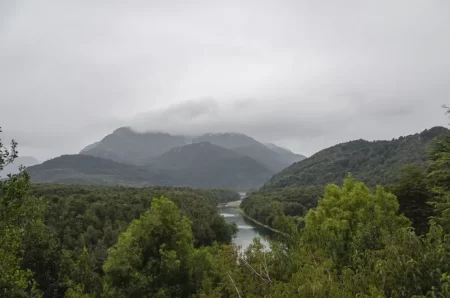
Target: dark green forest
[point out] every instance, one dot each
(342, 239)
(376, 162)
(400, 165)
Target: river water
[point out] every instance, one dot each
(247, 229)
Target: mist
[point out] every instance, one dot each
(302, 74)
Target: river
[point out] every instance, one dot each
(247, 229)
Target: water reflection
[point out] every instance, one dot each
(247, 229)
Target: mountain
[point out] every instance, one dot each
(192, 154)
(269, 158)
(90, 147)
(247, 146)
(212, 160)
(297, 188)
(207, 165)
(289, 156)
(227, 140)
(13, 168)
(127, 146)
(85, 169)
(376, 162)
(202, 165)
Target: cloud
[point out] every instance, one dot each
(271, 119)
(300, 73)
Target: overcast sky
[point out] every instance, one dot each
(303, 74)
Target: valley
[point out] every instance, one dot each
(221, 213)
(225, 149)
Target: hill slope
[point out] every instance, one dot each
(247, 146)
(227, 140)
(207, 165)
(85, 169)
(377, 162)
(126, 146)
(200, 165)
(286, 154)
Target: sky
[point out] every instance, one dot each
(302, 74)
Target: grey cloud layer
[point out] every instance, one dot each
(307, 74)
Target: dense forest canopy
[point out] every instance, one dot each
(352, 240)
(377, 162)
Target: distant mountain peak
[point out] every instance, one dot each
(125, 129)
(125, 145)
(129, 130)
(225, 134)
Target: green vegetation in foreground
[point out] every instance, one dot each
(80, 241)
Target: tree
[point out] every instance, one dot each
(18, 214)
(7, 155)
(439, 176)
(413, 194)
(352, 220)
(151, 258)
(82, 278)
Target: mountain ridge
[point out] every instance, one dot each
(125, 145)
(372, 162)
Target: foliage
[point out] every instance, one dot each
(352, 220)
(413, 194)
(93, 216)
(151, 258)
(354, 244)
(439, 175)
(377, 162)
(104, 241)
(20, 224)
(294, 201)
(7, 155)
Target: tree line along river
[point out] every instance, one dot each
(247, 228)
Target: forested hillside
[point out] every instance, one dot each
(377, 162)
(207, 165)
(298, 187)
(247, 146)
(197, 165)
(86, 169)
(112, 241)
(69, 230)
(286, 154)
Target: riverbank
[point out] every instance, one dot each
(247, 229)
(234, 204)
(257, 222)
